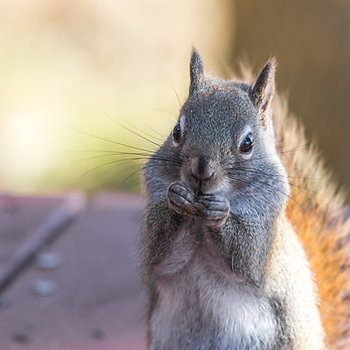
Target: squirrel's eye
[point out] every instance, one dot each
(247, 144)
(177, 133)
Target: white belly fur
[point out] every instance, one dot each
(204, 305)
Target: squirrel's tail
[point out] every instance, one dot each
(317, 211)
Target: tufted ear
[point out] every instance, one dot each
(263, 89)
(196, 71)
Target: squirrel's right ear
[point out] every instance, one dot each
(263, 89)
(196, 71)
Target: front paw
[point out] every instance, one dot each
(181, 198)
(214, 209)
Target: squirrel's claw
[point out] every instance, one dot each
(181, 198)
(214, 209)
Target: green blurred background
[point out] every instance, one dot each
(86, 66)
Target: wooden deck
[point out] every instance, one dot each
(96, 300)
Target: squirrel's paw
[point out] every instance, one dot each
(214, 209)
(181, 198)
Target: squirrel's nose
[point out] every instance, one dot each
(201, 168)
(202, 176)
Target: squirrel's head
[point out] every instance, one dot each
(224, 134)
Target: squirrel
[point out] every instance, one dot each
(236, 254)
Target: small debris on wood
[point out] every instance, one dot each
(44, 287)
(20, 338)
(98, 333)
(47, 261)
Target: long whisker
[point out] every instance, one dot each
(259, 188)
(278, 178)
(103, 165)
(164, 110)
(102, 151)
(162, 137)
(132, 174)
(137, 171)
(173, 87)
(107, 140)
(132, 131)
(299, 148)
(146, 156)
(262, 188)
(120, 161)
(274, 175)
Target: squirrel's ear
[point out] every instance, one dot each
(196, 71)
(263, 89)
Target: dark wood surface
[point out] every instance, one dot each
(99, 301)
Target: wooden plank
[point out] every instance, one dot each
(50, 229)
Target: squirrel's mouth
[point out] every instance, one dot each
(203, 183)
(201, 186)
(208, 186)
(211, 179)
(213, 185)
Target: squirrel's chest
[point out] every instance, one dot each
(199, 308)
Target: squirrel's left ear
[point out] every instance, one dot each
(196, 71)
(263, 89)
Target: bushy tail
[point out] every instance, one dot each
(322, 221)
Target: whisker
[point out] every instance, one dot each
(135, 127)
(262, 188)
(162, 137)
(307, 144)
(107, 140)
(123, 160)
(273, 175)
(299, 148)
(146, 156)
(174, 89)
(101, 166)
(278, 178)
(132, 174)
(96, 151)
(164, 110)
(132, 131)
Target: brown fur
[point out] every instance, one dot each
(316, 212)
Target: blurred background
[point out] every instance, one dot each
(84, 83)
(87, 66)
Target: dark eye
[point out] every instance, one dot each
(247, 144)
(177, 133)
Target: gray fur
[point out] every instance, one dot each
(196, 72)
(210, 221)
